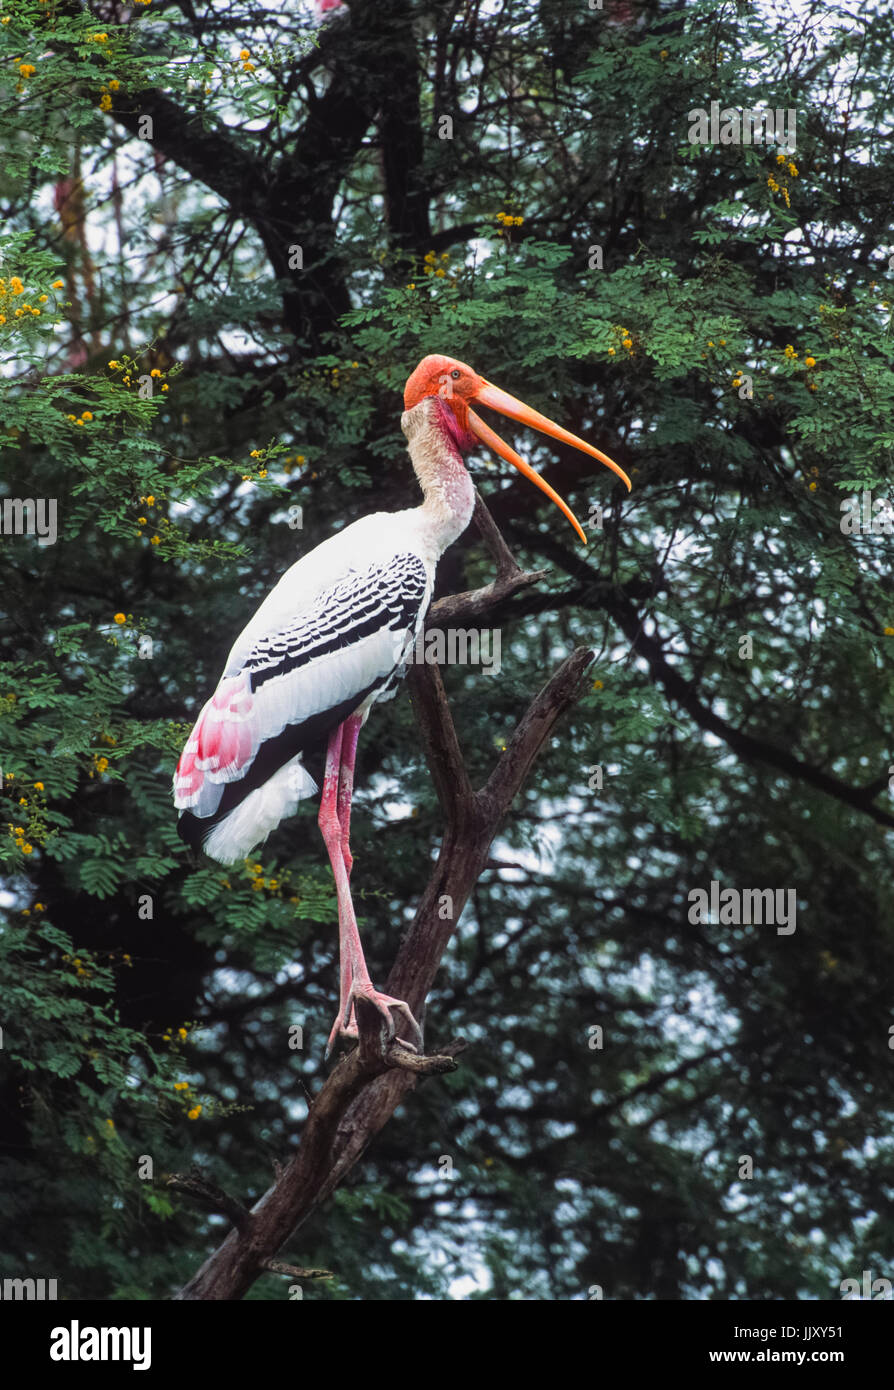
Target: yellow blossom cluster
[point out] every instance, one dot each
(12, 289)
(809, 363)
(195, 1109)
(278, 886)
(18, 835)
(130, 369)
(626, 340)
(32, 801)
(508, 220)
(83, 419)
(431, 267)
(245, 59)
(181, 1034)
(149, 501)
(773, 182)
(83, 974)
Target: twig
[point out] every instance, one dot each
(209, 1195)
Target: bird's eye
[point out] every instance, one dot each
(456, 374)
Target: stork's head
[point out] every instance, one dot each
(459, 387)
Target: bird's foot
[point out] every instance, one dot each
(345, 1025)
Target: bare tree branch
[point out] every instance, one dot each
(363, 1091)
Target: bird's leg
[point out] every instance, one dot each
(350, 734)
(354, 976)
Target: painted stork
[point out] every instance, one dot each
(332, 639)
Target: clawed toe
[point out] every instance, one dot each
(345, 1025)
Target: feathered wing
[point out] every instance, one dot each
(285, 688)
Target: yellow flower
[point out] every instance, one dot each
(244, 53)
(255, 454)
(86, 414)
(115, 85)
(16, 285)
(38, 786)
(165, 387)
(812, 487)
(181, 1085)
(889, 631)
(150, 500)
(27, 849)
(155, 372)
(43, 299)
(120, 618)
(248, 67)
(793, 170)
(39, 907)
(262, 472)
(6, 18)
(809, 361)
(27, 69)
(597, 685)
(156, 540)
(194, 1113)
(105, 102)
(115, 366)
(182, 1034)
(611, 352)
(111, 1124)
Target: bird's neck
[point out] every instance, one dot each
(447, 488)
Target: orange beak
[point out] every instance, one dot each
(496, 399)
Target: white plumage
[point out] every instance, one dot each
(328, 642)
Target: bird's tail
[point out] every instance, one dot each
(233, 836)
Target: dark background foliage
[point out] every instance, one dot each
(279, 238)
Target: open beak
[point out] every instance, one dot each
(495, 399)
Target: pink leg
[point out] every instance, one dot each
(350, 734)
(354, 976)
